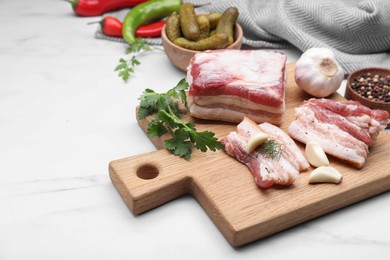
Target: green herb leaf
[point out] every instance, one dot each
(134, 61)
(156, 128)
(143, 112)
(138, 45)
(124, 71)
(204, 140)
(179, 92)
(148, 98)
(271, 149)
(122, 65)
(125, 74)
(178, 144)
(126, 66)
(167, 118)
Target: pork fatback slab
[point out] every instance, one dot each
(228, 85)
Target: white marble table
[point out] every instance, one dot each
(64, 114)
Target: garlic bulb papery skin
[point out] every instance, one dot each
(318, 73)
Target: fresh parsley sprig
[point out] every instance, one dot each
(126, 66)
(166, 107)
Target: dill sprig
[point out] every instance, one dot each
(271, 149)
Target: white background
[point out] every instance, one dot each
(64, 115)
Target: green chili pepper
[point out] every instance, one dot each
(145, 12)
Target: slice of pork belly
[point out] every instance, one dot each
(330, 137)
(360, 121)
(228, 85)
(343, 129)
(290, 149)
(265, 170)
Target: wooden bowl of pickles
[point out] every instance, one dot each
(187, 33)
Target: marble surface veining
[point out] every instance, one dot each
(64, 114)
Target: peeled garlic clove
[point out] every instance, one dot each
(315, 154)
(325, 174)
(255, 140)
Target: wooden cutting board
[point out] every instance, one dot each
(226, 190)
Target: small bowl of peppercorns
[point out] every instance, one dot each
(371, 87)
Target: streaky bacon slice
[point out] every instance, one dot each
(327, 116)
(290, 149)
(332, 139)
(265, 170)
(343, 129)
(368, 122)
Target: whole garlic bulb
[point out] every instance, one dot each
(318, 73)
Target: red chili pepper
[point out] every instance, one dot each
(150, 29)
(111, 26)
(99, 7)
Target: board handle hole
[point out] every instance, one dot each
(147, 172)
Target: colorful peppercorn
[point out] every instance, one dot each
(373, 87)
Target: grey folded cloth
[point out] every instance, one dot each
(357, 31)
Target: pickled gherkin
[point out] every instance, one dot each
(216, 41)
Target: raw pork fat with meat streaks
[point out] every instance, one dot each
(345, 130)
(266, 171)
(371, 121)
(228, 85)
